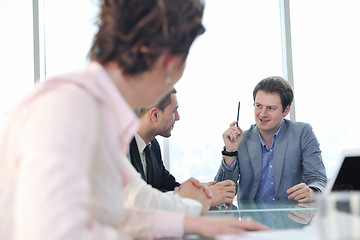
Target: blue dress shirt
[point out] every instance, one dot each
(266, 190)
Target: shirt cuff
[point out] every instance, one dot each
(231, 168)
(192, 207)
(315, 189)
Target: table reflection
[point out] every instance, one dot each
(278, 214)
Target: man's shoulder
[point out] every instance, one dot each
(296, 125)
(253, 129)
(297, 128)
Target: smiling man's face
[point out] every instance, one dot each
(269, 112)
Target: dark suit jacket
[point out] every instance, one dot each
(161, 178)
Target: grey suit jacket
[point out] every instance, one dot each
(297, 158)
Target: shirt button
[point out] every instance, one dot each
(270, 166)
(272, 183)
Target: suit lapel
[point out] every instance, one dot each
(280, 147)
(255, 155)
(135, 158)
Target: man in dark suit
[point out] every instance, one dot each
(145, 153)
(159, 178)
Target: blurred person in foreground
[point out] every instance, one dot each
(64, 172)
(159, 121)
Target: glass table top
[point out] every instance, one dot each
(279, 214)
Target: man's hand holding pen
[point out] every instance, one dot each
(232, 138)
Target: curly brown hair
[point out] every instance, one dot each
(134, 33)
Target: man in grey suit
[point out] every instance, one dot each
(276, 158)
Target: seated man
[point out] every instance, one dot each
(160, 120)
(276, 158)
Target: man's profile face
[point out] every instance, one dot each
(168, 117)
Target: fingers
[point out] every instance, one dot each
(308, 198)
(189, 190)
(223, 192)
(227, 183)
(298, 196)
(211, 183)
(195, 182)
(207, 191)
(224, 187)
(250, 225)
(296, 187)
(229, 201)
(229, 192)
(233, 124)
(302, 217)
(236, 130)
(238, 226)
(304, 214)
(297, 219)
(198, 184)
(234, 133)
(211, 227)
(301, 193)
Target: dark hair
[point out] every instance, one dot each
(164, 102)
(134, 33)
(276, 85)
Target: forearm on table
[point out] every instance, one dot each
(139, 194)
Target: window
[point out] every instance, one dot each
(69, 29)
(241, 46)
(67, 26)
(326, 61)
(16, 47)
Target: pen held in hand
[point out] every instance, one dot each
(237, 118)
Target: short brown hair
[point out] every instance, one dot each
(134, 33)
(278, 85)
(164, 102)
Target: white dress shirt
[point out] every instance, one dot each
(141, 146)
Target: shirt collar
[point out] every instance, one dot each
(273, 138)
(140, 143)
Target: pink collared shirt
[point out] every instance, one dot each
(64, 173)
